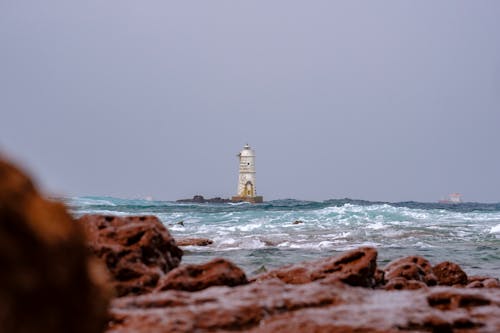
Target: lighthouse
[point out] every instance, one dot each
(246, 178)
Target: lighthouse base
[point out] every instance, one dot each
(257, 199)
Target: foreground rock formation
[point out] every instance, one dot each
(316, 296)
(137, 250)
(273, 306)
(48, 282)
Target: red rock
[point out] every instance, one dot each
(475, 284)
(449, 273)
(216, 272)
(418, 260)
(484, 281)
(273, 306)
(379, 277)
(49, 283)
(400, 283)
(356, 268)
(411, 268)
(491, 283)
(137, 250)
(408, 271)
(193, 242)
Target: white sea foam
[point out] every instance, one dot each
(495, 229)
(377, 226)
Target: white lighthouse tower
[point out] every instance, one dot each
(246, 179)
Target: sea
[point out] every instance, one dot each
(259, 237)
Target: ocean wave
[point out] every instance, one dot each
(495, 229)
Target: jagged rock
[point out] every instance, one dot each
(411, 268)
(298, 222)
(137, 250)
(356, 268)
(482, 282)
(401, 283)
(194, 242)
(216, 272)
(260, 270)
(449, 274)
(273, 306)
(49, 282)
(408, 271)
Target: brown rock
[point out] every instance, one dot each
(449, 273)
(475, 284)
(137, 250)
(216, 272)
(379, 277)
(408, 271)
(485, 282)
(356, 268)
(298, 222)
(272, 306)
(400, 283)
(411, 268)
(194, 242)
(48, 282)
(491, 283)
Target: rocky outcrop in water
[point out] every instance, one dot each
(49, 282)
(356, 268)
(449, 274)
(137, 250)
(201, 199)
(194, 242)
(413, 272)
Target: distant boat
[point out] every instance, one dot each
(454, 198)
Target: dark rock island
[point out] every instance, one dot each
(201, 199)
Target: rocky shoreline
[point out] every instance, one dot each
(103, 273)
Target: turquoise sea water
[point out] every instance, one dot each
(259, 235)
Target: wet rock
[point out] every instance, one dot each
(194, 242)
(454, 298)
(408, 271)
(401, 283)
(411, 268)
(475, 284)
(449, 273)
(379, 277)
(137, 250)
(260, 270)
(273, 306)
(216, 272)
(49, 282)
(298, 222)
(491, 283)
(482, 282)
(356, 268)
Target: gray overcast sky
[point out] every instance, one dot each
(380, 100)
